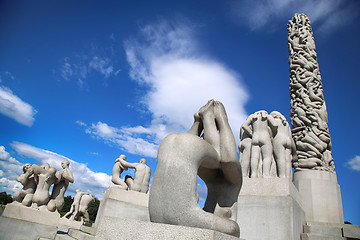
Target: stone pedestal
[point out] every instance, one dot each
(116, 228)
(320, 194)
(270, 208)
(123, 204)
(20, 222)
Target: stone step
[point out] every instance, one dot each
(351, 231)
(311, 236)
(89, 230)
(78, 234)
(63, 236)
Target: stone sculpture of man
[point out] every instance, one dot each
(116, 172)
(79, 205)
(85, 200)
(181, 157)
(140, 182)
(45, 176)
(63, 178)
(25, 195)
(245, 149)
(283, 144)
(257, 127)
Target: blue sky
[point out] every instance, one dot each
(90, 80)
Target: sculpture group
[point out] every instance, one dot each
(266, 141)
(37, 180)
(79, 207)
(138, 183)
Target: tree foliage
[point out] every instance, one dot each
(66, 208)
(92, 210)
(5, 198)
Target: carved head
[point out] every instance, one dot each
(143, 160)
(65, 164)
(122, 156)
(26, 167)
(45, 166)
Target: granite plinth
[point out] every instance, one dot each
(270, 208)
(116, 228)
(15, 229)
(70, 223)
(123, 204)
(320, 194)
(43, 216)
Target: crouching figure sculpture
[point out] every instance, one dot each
(211, 155)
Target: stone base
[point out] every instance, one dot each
(270, 208)
(123, 204)
(11, 228)
(321, 196)
(115, 228)
(18, 211)
(70, 223)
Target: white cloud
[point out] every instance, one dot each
(13, 107)
(10, 169)
(84, 178)
(354, 163)
(180, 79)
(264, 15)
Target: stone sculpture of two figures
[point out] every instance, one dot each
(207, 150)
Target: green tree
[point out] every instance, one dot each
(92, 209)
(66, 208)
(5, 198)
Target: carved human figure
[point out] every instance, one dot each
(63, 178)
(25, 195)
(116, 173)
(181, 157)
(45, 176)
(140, 181)
(245, 149)
(74, 209)
(257, 127)
(283, 145)
(85, 200)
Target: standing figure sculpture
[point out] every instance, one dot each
(308, 109)
(45, 177)
(140, 182)
(63, 178)
(257, 126)
(283, 144)
(116, 172)
(181, 157)
(25, 195)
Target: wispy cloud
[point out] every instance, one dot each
(84, 178)
(329, 15)
(13, 107)
(179, 78)
(354, 163)
(79, 67)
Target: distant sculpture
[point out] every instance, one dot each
(25, 195)
(140, 182)
(308, 110)
(116, 173)
(173, 195)
(63, 178)
(265, 138)
(79, 206)
(45, 177)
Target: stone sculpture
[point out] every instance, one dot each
(266, 139)
(63, 178)
(181, 157)
(79, 206)
(140, 182)
(308, 110)
(45, 176)
(116, 173)
(25, 195)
